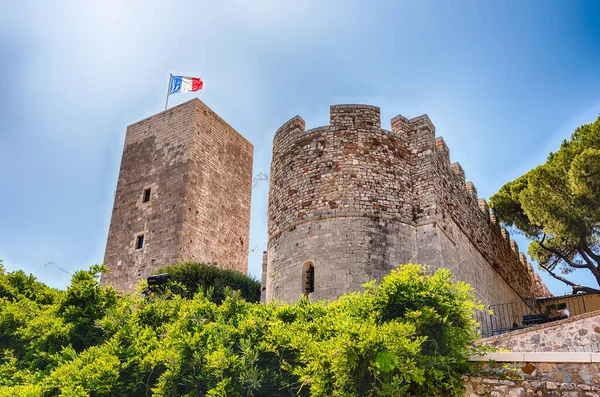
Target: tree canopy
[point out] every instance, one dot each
(407, 336)
(557, 206)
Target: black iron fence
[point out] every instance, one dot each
(506, 317)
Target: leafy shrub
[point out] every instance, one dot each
(406, 336)
(17, 285)
(187, 278)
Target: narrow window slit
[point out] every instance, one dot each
(147, 193)
(308, 278)
(139, 242)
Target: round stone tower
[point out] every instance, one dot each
(340, 208)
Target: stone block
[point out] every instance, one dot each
(557, 357)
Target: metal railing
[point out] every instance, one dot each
(507, 317)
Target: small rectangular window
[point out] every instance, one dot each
(139, 242)
(308, 282)
(146, 195)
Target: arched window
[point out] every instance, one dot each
(308, 278)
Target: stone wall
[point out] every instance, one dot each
(467, 263)
(351, 168)
(535, 379)
(346, 253)
(263, 279)
(441, 196)
(561, 358)
(199, 170)
(339, 197)
(356, 200)
(575, 334)
(216, 221)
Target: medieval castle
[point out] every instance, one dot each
(347, 203)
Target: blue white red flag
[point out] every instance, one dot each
(184, 84)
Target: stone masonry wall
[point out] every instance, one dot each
(346, 253)
(442, 196)
(351, 167)
(199, 170)
(216, 221)
(575, 334)
(339, 197)
(155, 156)
(335, 187)
(535, 379)
(465, 261)
(263, 279)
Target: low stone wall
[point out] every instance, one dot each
(575, 334)
(534, 379)
(555, 359)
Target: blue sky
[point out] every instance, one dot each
(504, 82)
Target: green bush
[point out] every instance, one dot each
(407, 336)
(187, 278)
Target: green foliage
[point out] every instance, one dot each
(407, 336)
(83, 304)
(557, 206)
(18, 285)
(187, 278)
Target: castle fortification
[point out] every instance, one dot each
(350, 201)
(183, 194)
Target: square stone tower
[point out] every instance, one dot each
(183, 194)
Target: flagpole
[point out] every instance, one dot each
(168, 90)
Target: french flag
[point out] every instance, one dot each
(184, 84)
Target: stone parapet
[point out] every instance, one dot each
(351, 166)
(459, 210)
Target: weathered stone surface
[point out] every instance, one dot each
(199, 170)
(578, 382)
(575, 334)
(528, 368)
(356, 200)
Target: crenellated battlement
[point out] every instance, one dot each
(442, 148)
(355, 116)
(483, 206)
(471, 189)
(422, 122)
(458, 170)
(338, 169)
(457, 206)
(289, 131)
(355, 200)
